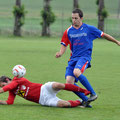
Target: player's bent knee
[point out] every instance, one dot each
(77, 72)
(58, 86)
(63, 103)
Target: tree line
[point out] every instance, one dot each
(48, 16)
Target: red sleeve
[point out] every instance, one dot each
(11, 98)
(65, 39)
(102, 34)
(10, 86)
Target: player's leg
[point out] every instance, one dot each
(69, 87)
(83, 80)
(70, 78)
(70, 103)
(80, 67)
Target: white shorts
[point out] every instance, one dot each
(48, 95)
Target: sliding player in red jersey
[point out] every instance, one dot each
(38, 93)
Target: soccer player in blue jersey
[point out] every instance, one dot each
(80, 38)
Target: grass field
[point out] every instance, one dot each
(38, 56)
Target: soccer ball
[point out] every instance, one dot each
(19, 71)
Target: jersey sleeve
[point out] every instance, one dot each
(65, 39)
(11, 98)
(95, 32)
(10, 86)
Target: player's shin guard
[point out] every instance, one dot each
(86, 83)
(74, 103)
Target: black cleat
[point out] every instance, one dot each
(92, 98)
(85, 104)
(89, 106)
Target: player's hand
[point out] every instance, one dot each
(58, 55)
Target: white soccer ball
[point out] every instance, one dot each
(19, 71)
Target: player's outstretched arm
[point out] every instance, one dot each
(61, 52)
(110, 38)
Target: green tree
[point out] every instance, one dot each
(48, 18)
(19, 14)
(75, 4)
(102, 14)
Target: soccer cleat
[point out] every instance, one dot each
(92, 98)
(89, 106)
(85, 104)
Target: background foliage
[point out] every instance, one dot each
(63, 13)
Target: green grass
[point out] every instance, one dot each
(38, 56)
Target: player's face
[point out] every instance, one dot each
(76, 20)
(2, 84)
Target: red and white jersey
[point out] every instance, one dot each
(24, 88)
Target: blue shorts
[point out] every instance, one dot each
(82, 64)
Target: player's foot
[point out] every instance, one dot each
(92, 98)
(89, 106)
(85, 104)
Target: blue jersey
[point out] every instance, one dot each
(81, 40)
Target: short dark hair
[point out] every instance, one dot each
(78, 11)
(4, 79)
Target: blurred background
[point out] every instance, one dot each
(62, 10)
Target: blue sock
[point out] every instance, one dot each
(81, 95)
(86, 83)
